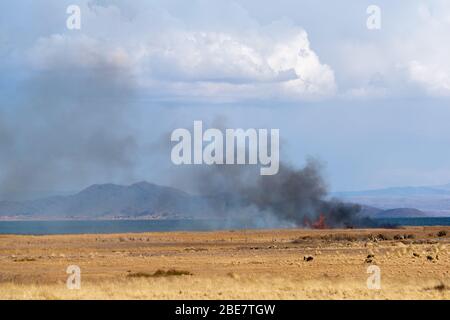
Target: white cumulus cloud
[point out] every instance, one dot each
(175, 59)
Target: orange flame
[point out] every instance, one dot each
(320, 223)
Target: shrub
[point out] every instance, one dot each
(382, 237)
(442, 233)
(160, 273)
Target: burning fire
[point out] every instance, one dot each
(318, 224)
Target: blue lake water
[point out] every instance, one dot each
(434, 221)
(135, 226)
(111, 226)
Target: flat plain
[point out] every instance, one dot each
(237, 264)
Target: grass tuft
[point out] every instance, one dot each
(160, 273)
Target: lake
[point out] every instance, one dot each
(136, 226)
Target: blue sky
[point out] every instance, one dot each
(96, 105)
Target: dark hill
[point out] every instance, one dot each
(111, 200)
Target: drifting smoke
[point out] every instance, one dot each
(66, 123)
(294, 196)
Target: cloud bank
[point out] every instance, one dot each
(274, 61)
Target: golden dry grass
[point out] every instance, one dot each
(229, 265)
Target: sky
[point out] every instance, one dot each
(97, 104)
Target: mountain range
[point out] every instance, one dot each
(145, 200)
(432, 200)
(99, 201)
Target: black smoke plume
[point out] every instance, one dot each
(296, 197)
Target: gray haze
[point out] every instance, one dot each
(64, 126)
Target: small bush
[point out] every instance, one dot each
(403, 236)
(442, 233)
(160, 273)
(382, 237)
(302, 239)
(339, 237)
(439, 287)
(171, 272)
(139, 275)
(26, 259)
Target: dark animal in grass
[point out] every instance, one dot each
(370, 258)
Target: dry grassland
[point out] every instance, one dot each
(269, 264)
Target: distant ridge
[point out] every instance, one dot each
(373, 212)
(397, 191)
(401, 213)
(144, 200)
(431, 200)
(140, 199)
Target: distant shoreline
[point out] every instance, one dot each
(92, 219)
(3, 219)
(116, 226)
